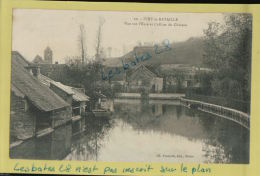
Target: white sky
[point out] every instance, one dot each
(35, 29)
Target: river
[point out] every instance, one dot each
(154, 131)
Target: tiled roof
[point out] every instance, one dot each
(38, 94)
(76, 94)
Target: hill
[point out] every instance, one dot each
(188, 52)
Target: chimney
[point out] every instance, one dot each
(34, 70)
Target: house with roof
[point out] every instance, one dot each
(75, 97)
(35, 110)
(38, 59)
(141, 77)
(180, 77)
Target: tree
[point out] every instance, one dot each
(227, 50)
(82, 38)
(204, 78)
(98, 47)
(180, 77)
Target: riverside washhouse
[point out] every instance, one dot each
(39, 105)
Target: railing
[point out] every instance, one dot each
(231, 114)
(226, 102)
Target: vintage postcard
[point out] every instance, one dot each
(91, 86)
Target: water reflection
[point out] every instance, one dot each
(146, 131)
(86, 147)
(53, 146)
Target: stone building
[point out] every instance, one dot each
(143, 78)
(38, 60)
(35, 109)
(180, 77)
(75, 97)
(48, 55)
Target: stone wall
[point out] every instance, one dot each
(22, 120)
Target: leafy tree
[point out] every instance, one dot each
(179, 76)
(227, 50)
(85, 75)
(205, 80)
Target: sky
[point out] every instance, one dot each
(35, 29)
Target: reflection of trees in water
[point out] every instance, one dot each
(87, 147)
(227, 141)
(139, 116)
(168, 119)
(223, 141)
(178, 111)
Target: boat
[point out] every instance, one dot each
(101, 112)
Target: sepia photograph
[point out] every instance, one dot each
(116, 86)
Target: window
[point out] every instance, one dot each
(75, 111)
